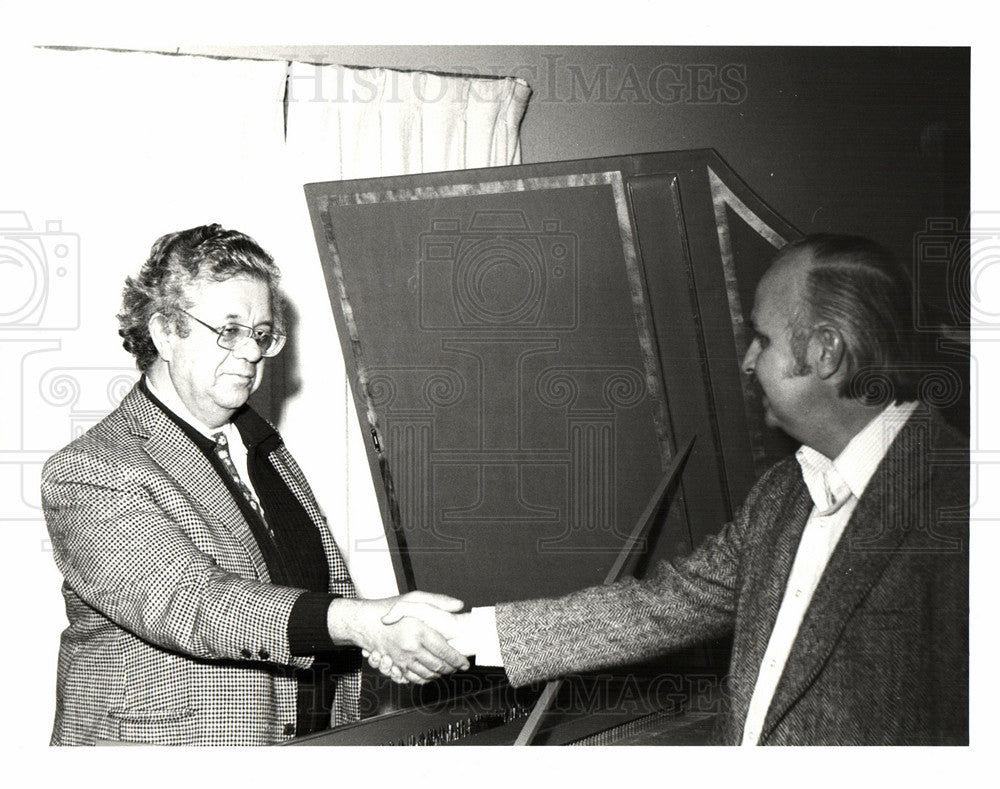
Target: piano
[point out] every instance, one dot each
(529, 347)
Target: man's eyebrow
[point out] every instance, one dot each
(232, 317)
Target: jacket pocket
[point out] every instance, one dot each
(154, 726)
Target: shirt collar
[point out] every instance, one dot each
(246, 426)
(832, 482)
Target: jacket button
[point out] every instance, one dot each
(289, 729)
(246, 653)
(264, 654)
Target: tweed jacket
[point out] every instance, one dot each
(175, 634)
(881, 656)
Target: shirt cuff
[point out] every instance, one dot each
(479, 637)
(307, 630)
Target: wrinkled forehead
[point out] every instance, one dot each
(237, 293)
(240, 283)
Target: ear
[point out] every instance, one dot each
(829, 345)
(162, 334)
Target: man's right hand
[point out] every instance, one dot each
(419, 652)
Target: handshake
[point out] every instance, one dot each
(415, 637)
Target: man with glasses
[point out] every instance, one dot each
(207, 601)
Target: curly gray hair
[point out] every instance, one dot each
(175, 261)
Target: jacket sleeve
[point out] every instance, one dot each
(124, 556)
(685, 601)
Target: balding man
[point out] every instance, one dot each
(843, 577)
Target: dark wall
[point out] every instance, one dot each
(873, 141)
(865, 140)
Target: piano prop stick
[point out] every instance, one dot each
(628, 552)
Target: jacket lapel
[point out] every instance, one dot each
(878, 524)
(181, 461)
(762, 594)
(257, 431)
(286, 466)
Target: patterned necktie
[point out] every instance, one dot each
(222, 450)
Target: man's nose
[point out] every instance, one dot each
(249, 350)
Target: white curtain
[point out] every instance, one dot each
(105, 151)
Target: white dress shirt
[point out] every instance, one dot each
(835, 487)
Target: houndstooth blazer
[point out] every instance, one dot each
(881, 656)
(175, 634)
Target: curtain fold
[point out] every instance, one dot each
(385, 122)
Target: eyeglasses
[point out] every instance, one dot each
(233, 335)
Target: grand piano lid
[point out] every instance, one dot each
(527, 346)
